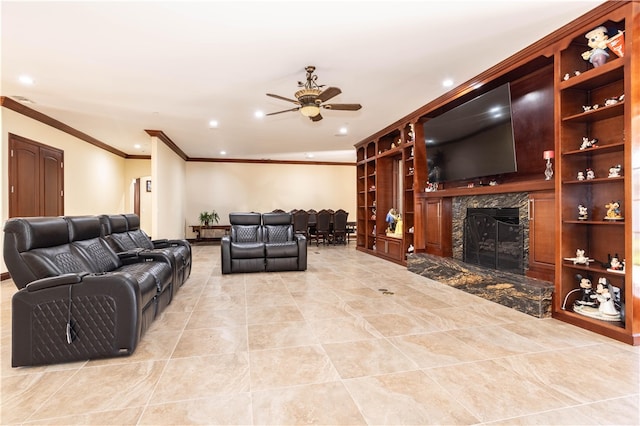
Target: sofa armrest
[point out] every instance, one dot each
(98, 317)
(225, 253)
(49, 282)
(302, 251)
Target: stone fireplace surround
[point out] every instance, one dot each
(528, 295)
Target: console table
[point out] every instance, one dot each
(199, 228)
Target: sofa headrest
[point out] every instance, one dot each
(276, 218)
(133, 221)
(118, 223)
(36, 232)
(245, 218)
(83, 227)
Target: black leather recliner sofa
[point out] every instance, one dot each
(78, 298)
(123, 233)
(262, 242)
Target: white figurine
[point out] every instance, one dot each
(615, 171)
(582, 213)
(580, 258)
(580, 175)
(605, 299)
(590, 174)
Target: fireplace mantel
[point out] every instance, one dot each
(522, 186)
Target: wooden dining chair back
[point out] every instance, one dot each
(301, 223)
(339, 233)
(323, 227)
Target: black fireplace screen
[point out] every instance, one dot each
(493, 238)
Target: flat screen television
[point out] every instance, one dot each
(472, 140)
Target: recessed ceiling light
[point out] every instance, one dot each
(213, 124)
(343, 130)
(137, 146)
(309, 155)
(258, 114)
(447, 83)
(223, 152)
(26, 80)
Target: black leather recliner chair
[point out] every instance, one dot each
(243, 249)
(284, 249)
(264, 242)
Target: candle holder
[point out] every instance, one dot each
(548, 173)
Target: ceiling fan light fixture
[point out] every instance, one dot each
(310, 110)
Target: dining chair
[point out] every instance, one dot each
(301, 222)
(323, 227)
(339, 233)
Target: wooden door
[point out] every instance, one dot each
(36, 179)
(542, 235)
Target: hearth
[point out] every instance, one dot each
(494, 238)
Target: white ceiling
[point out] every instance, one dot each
(113, 69)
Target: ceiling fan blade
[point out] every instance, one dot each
(316, 117)
(286, 110)
(343, 107)
(282, 98)
(329, 93)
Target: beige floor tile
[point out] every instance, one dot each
(367, 358)
(314, 404)
(283, 367)
(23, 394)
(127, 416)
(492, 392)
(116, 387)
(397, 324)
(409, 398)
(300, 347)
(208, 341)
(345, 329)
(439, 349)
(219, 410)
(278, 313)
(279, 335)
(495, 341)
(214, 318)
(202, 377)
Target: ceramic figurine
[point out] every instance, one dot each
(588, 143)
(566, 77)
(410, 249)
(587, 297)
(606, 306)
(580, 258)
(597, 41)
(580, 175)
(586, 108)
(613, 211)
(590, 174)
(615, 171)
(392, 217)
(610, 101)
(582, 212)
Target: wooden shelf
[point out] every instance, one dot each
(601, 113)
(618, 146)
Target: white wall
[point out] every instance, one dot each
(230, 187)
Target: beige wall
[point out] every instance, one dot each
(229, 187)
(167, 193)
(98, 182)
(94, 179)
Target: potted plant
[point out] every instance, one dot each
(206, 217)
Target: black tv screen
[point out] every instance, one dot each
(472, 140)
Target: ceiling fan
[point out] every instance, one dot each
(311, 98)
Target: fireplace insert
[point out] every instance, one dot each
(494, 238)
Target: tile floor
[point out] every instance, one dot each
(326, 346)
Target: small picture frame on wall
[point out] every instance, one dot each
(148, 186)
